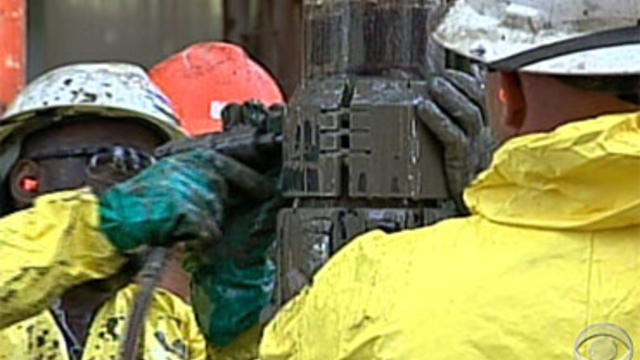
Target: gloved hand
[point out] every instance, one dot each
(236, 281)
(180, 198)
(454, 114)
(233, 281)
(204, 195)
(255, 114)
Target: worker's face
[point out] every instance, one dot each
(67, 157)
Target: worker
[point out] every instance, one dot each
(88, 127)
(94, 230)
(204, 78)
(78, 238)
(546, 266)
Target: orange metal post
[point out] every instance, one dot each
(13, 21)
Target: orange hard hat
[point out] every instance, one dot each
(202, 79)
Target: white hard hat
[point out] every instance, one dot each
(562, 37)
(107, 89)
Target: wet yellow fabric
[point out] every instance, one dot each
(49, 248)
(585, 176)
(170, 332)
(553, 246)
(56, 245)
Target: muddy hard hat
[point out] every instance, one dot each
(562, 37)
(107, 89)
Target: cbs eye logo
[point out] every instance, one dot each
(603, 342)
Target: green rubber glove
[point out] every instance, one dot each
(179, 198)
(207, 196)
(236, 281)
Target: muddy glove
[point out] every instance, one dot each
(454, 114)
(179, 198)
(233, 285)
(234, 280)
(203, 195)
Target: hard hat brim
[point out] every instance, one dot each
(490, 39)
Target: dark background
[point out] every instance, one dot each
(148, 31)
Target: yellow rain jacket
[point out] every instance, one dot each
(56, 245)
(552, 247)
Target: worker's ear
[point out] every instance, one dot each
(25, 181)
(514, 105)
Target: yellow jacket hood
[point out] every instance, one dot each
(583, 176)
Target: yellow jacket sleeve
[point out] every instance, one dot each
(49, 248)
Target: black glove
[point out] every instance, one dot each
(453, 112)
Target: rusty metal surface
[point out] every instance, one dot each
(12, 50)
(141, 31)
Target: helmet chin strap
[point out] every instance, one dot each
(616, 37)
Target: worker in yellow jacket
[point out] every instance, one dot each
(76, 214)
(544, 267)
(83, 126)
(547, 264)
